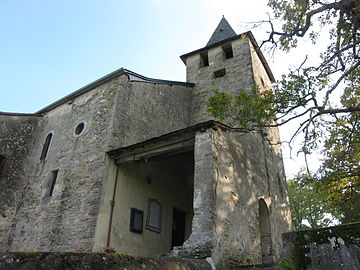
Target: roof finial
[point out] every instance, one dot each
(222, 32)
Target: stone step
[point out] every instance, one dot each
(253, 267)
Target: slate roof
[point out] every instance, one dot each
(222, 32)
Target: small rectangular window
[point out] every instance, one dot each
(204, 59)
(219, 73)
(2, 164)
(136, 220)
(54, 175)
(228, 51)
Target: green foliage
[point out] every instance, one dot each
(342, 147)
(286, 264)
(246, 109)
(256, 108)
(309, 208)
(339, 175)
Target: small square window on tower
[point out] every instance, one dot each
(219, 73)
(228, 51)
(204, 59)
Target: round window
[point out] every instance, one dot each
(80, 128)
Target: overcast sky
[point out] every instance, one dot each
(49, 49)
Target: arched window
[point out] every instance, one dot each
(265, 233)
(46, 146)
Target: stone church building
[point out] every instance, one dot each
(137, 165)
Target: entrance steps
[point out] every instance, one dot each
(254, 267)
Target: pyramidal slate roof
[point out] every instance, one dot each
(222, 32)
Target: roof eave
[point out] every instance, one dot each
(190, 129)
(114, 74)
(184, 56)
(20, 114)
(261, 56)
(83, 90)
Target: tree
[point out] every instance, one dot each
(339, 174)
(309, 90)
(310, 93)
(309, 209)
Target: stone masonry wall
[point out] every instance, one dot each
(16, 134)
(247, 166)
(147, 110)
(261, 77)
(66, 220)
(94, 261)
(247, 170)
(329, 248)
(115, 113)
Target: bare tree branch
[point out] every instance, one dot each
(301, 31)
(344, 75)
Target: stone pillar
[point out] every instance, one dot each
(201, 240)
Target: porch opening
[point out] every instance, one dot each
(161, 186)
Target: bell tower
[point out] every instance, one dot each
(228, 63)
